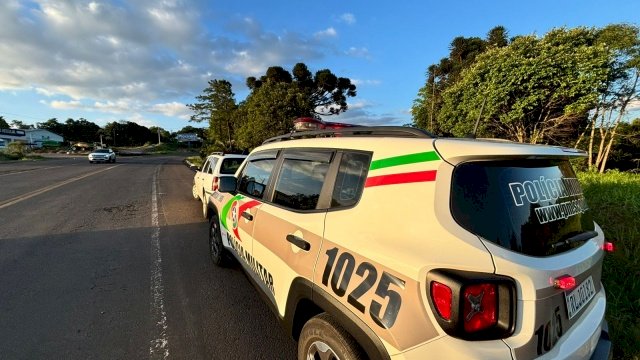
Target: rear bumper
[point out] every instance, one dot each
(604, 347)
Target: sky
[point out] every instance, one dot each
(144, 60)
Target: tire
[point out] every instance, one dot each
(219, 256)
(322, 337)
(90, 162)
(194, 192)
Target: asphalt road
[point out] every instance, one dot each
(110, 261)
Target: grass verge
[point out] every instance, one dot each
(196, 160)
(615, 200)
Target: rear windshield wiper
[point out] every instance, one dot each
(576, 238)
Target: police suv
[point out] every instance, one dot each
(388, 243)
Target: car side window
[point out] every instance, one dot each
(301, 178)
(205, 167)
(352, 174)
(212, 165)
(256, 174)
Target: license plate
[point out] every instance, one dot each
(580, 297)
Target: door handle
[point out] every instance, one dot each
(247, 216)
(299, 242)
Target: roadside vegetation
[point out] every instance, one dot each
(17, 151)
(195, 160)
(615, 199)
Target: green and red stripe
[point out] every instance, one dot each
(402, 178)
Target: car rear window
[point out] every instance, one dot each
(530, 206)
(230, 165)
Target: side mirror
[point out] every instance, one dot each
(227, 184)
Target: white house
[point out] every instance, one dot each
(40, 137)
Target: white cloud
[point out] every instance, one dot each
(358, 113)
(141, 120)
(328, 32)
(361, 52)
(174, 108)
(44, 92)
(348, 18)
(116, 107)
(66, 105)
(633, 105)
(142, 57)
(358, 82)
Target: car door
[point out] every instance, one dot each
(238, 214)
(289, 229)
(198, 179)
(207, 179)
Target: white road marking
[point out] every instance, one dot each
(159, 345)
(43, 190)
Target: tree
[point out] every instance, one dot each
(19, 124)
(52, 125)
(324, 93)
(268, 112)
(80, 130)
(462, 54)
(534, 90)
(217, 105)
(3, 123)
(127, 133)
(159, 134)
(622, 87)
(625, 152)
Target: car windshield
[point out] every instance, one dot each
(101, 151)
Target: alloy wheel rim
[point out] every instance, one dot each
(319, 350)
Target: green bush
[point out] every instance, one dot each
(16, 149)
(615, 199)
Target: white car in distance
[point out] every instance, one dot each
(103, 155)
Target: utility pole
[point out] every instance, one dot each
(158, 136)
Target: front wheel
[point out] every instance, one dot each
(218, 254)
(324, 338)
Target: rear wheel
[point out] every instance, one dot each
(219, 256)
(324, 338)
(194, 192)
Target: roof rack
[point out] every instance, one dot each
(373, 131)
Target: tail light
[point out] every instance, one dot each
(480, 309)
(608, 246)
(564, 282)
(215, 183)
(472, 305)
(441, 295)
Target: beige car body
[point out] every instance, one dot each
(402, 228)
